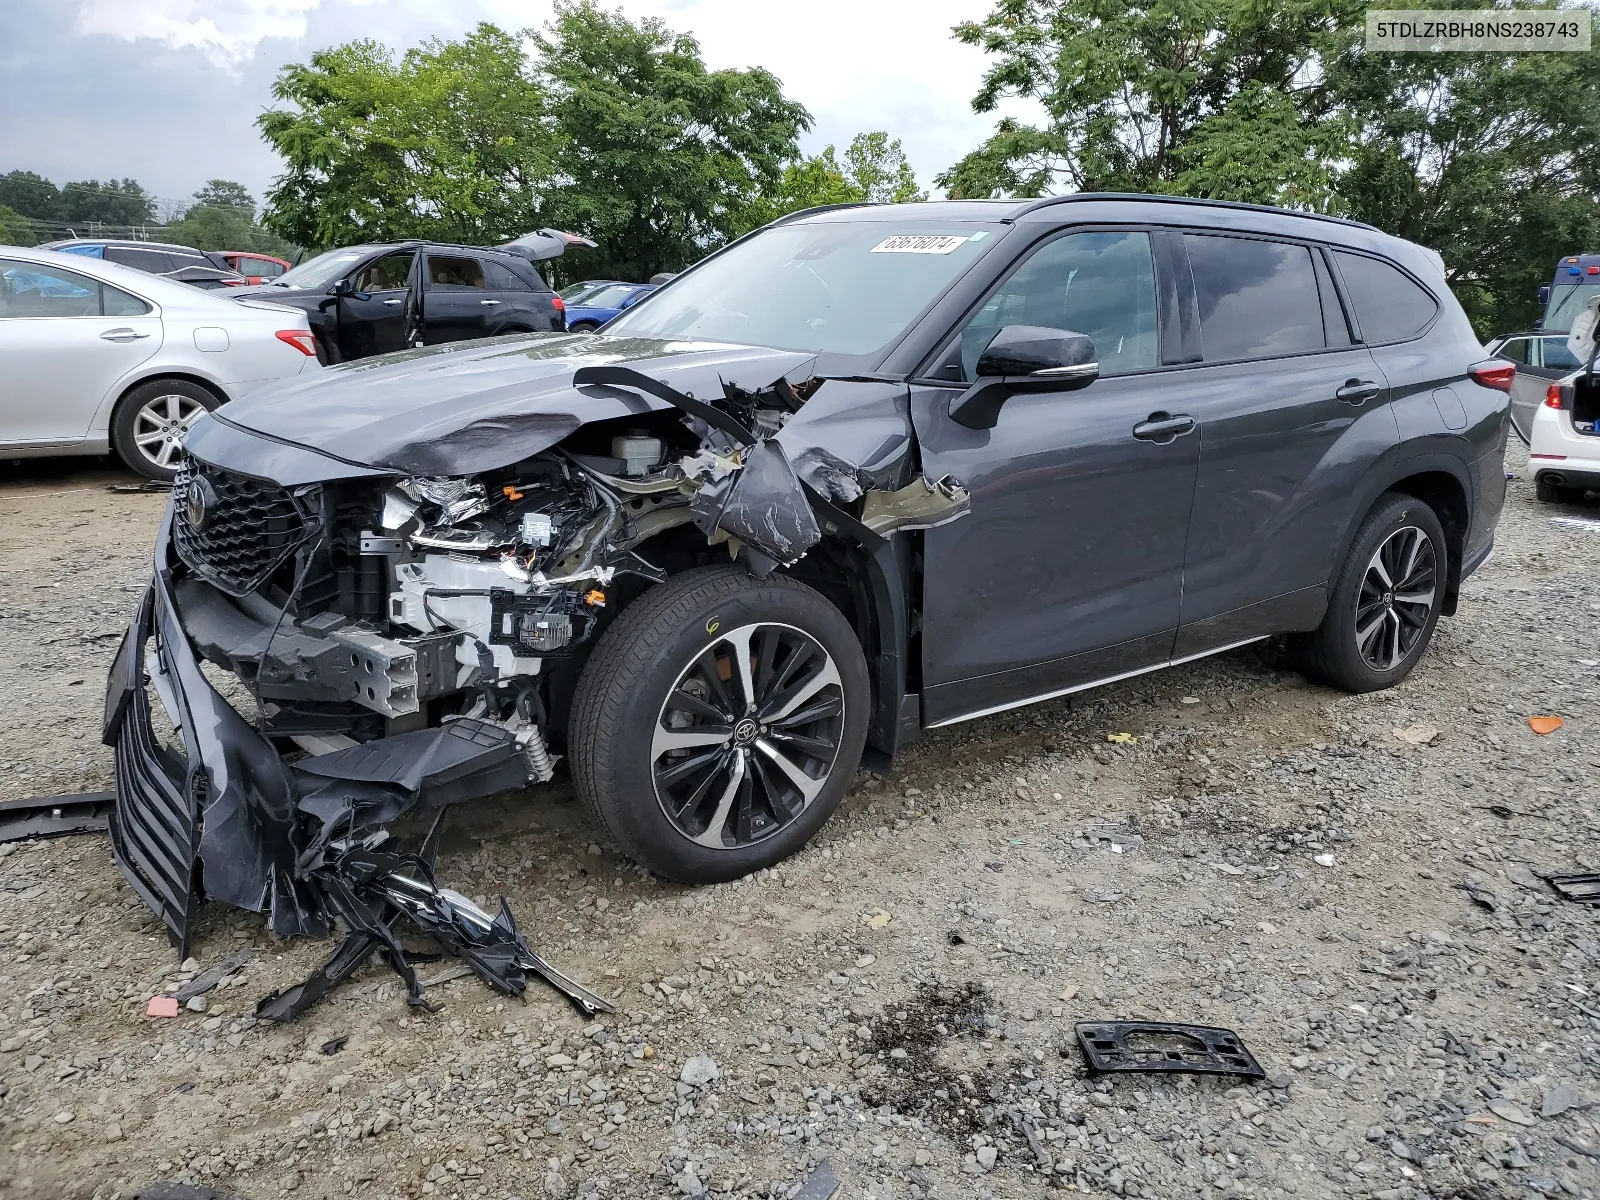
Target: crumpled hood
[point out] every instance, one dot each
(472, 406)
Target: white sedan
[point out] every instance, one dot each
(95, 357)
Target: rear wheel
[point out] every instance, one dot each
(1385, 601)
(582, 327)
(719, 723)
(152, 421)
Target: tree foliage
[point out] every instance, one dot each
(874, 170)
(1494, 160)
(30, 195)
(226, 193)
(114, 202)
(602, 126)
(15, 229)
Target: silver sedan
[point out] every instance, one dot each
(97, 357)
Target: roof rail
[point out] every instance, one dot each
(820, 208)
(1075, 197)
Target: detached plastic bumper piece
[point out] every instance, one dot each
(1165, 1046)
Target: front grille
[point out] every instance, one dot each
(231, 530)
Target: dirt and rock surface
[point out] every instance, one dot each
(900, 998)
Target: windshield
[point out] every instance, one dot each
(1566, 302)
(832, 287)
(323, 269)
(574, 292)
(606, 297)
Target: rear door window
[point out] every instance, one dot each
(1390, 305)
(1556, 355)
(1516, 350)
(455, 273)
(156, 262)
(1256, 298)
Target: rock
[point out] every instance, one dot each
(699, 1071)
(66, 1117)
(689, 1184)
(195, 1004)
(922, 1157)
(987, 1156)
(1563, 1097)
(555, 1125)
(1508, 1110)
(113, 1133)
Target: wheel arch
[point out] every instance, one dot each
(1440, 481)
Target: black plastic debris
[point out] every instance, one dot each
(53, 816)
(1581, 888)
(211, 976)
(334, 1045)
(821, 1184)
(370, 889)
(1165, 1046)
(1482, 896)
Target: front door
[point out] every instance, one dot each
(376, 315)
(457, 303)
(65, 340)
(1069, 568)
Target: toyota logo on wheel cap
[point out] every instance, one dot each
(199, 502)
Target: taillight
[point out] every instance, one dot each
(1496, 375)
(1552, 396)
(561, 305)
(300, 339)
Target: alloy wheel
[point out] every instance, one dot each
(161, 426)
(748, 736)
(1397, 598)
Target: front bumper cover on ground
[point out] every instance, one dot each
(222, 816)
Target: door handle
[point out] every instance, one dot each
(1358, 391)
(488, 302)
(1162, 428)
(122, 335)
(394, 303)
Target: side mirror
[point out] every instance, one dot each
(341, 287)
(1544, 293)
(1025, 358)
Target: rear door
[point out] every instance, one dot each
(457, 303)
(1069, 568)
(376, 316)
(1292, 413)
(522, 306)
(65, 340)
(1527, 389)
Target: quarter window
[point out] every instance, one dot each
(454, 273)
(501, 279)
(1102, 284)
(154, 261)
(115, 302)
(1257, 299)
(1390, 306)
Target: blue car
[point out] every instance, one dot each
(599, 306)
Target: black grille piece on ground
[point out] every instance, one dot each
(231, 530)
(1165, 1046)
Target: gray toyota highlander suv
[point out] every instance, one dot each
(864, 472)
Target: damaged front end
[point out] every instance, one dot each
(405, 636)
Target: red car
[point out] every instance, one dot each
(256, 268)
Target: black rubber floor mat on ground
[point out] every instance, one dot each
(1582, 888)
(1165, 1046)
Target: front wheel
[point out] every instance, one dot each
(719, 722)
(152, 421)
(1385, 601)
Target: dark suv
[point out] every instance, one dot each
(374, 299)
(866, 471)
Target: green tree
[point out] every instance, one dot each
(879, 169)
(30, 195)
(608, 128)
(656, 158)
(225, 193)
(874, 170)
(114, 202)
(15, 229)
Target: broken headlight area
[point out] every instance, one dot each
(411, 641)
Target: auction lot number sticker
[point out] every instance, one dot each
(1487, 31)
(920, 243)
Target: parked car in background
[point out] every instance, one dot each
(574, 291)
(185, 264)
(1540, 357)
(1564, 450)
(967, 455)
(255, 266)
(374, 299)
(594, 309)
(100, 357)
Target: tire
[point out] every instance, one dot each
(149, 425)
(1382, 654)
(1551, 493)
(583, 327)
(654, 676)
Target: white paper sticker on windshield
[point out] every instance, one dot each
(919, 243)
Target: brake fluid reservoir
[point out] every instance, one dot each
(639, 450)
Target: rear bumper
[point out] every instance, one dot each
(1583, 475)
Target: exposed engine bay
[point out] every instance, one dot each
(412, 640)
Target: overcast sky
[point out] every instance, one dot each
(167, 91)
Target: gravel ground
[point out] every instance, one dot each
(899, 999)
